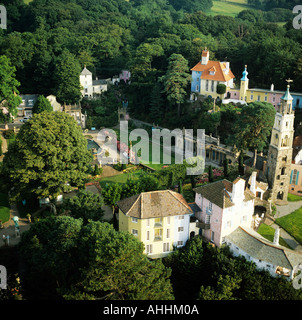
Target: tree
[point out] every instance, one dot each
(85, 205)
(49, 153)
(48, 251)
(240, 164)
(176, 80)
(254, 127)
(130, 188)
(9, 99)
(42, 104)
(66, 77)
(226, 168)
(211, 176)
(148, 182)
(221, 89)
(64, 258)
(115, 267)
(111, 193)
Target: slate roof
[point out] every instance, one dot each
(211, 66)
(155, 204)
(219, 193)
(260, 248)
(86, 72)
(216, 192)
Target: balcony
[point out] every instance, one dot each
(203, 225)
(158, 238)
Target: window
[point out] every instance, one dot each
(168, 220)
(181, 217)
(158, 222)
(166, 247)
(149, 248)
(168, 233)
(180, 229)
(158, 234)
(208, 218)
(212, 236)
(180, 243)
(148, 223)
(207, 85)
(252, 97)
(212, 87)
(265, 98)
(135, 220)
(148, 235)
(210, 205)
(134, 232)
(258, 98)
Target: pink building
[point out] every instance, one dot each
(224, 206)
(125, 75)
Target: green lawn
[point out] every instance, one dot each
(4, 207)
(268, 233)
(228, 8)
(292, 223)
(293, 197)
(120, 178)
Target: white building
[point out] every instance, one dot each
(89, 87)
(271, 256)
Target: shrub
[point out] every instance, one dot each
(9, 134)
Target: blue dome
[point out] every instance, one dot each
(244, 75)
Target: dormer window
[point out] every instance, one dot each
(212, 71)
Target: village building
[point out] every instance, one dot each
(244, 94)
(208, 74)
(295, 183)
(267, 255)
(223, 207)
(91, 88)
(162, 220)
(28, 101)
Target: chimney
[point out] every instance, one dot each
(253, 182)
(276, 236)
(264, 167)
(272, 87)
(205, 56)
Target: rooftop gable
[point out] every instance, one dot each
(155, 204)
(219, 68)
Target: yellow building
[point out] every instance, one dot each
(160, 219)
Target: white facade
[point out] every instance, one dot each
(181, 230)
(90, 87)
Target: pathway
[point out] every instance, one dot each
(9, 227)
(283, 211)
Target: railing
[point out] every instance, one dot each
(203, 225)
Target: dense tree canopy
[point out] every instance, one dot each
(49, 154)
(64, 258)
(9, 100)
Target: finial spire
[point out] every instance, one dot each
(288, 82)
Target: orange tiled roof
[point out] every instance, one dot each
(219, 74)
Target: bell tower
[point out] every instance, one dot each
(280, 149)
(244, 84)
